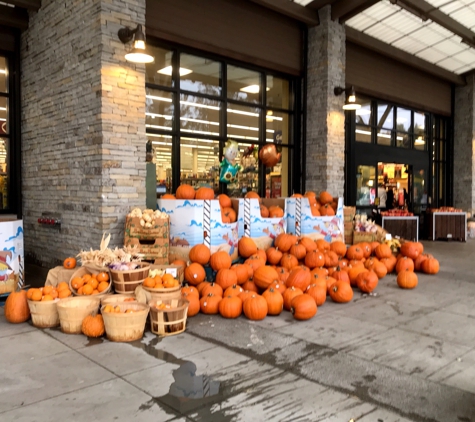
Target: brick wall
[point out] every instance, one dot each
(325, 159)
(83, 125)
(464, 152)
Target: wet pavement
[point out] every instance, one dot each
(395, 356)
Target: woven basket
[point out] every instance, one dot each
(73, 310)
(85, 270)
(168, 322)
(125, 282)
(164, 294)
(126, 327)
(44, 314)
(113, 299)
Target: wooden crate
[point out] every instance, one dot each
(403, 227)
(160, 229)
(155, 251)
(447, 225)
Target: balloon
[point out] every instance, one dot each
(229, 167)
(269, 156)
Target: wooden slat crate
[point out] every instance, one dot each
(447, 225)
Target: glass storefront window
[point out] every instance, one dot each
(384, 137)
(385, 116)
(365, 185)
(201, 75)
(363, 134)
(403, 140)
(277, 127)
(243, 122)
(199, 162)
(199, 115)
(4, 116)
(278, 92)
(419, 131)
(403, 120)
(363, 115)
(160, 71)
(3, 75)
(244, 84)
(158, 109)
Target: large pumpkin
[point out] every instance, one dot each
(210, 304)
(325, 198)
(407, 280)
(318, 292)
(212, 288)
(220, 259)
(299, 278)
(338, 247)
(308, 243)
(200, 254)
(275, 301)
(430, 266)
(93, 326)
(242, 272)
(383, 251)
(195, 274)
(367, 281)
(314, 259)
(226, 278)
(247, 247)
(285, 241)
(410, 249)
(303, 307)
(230, 307)
(255, 307)
(224, 201)
(193, 304)
(404, 264)
(16, 307)
(275, 211)
(185, 192)
(341, 292)
(289, 295)
(273, 255)
(264, 276)
(204, 193)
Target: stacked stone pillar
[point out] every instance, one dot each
(464, 146)
(325, 148)
(83, 125)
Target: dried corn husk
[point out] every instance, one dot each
(106, 256)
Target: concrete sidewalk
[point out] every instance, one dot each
(394, 356)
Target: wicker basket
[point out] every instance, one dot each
(85, 270)
(44, 314)
(164, 294)
(168, 322)
(125, 282)
(117, 299)
(126, 327)
(73, 310)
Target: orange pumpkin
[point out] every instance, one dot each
(185, 192)
(212, 288)
(264, 276)
(168, 196)
(430, 266)
(93, 326)
(255, 307)
(325, 198)
(338, 247)
(224, 201)
(193, 304)
(204, 193)
(219, 260)
(194, 273)
(303, 307)
(367, 281)
(69, 263)
(246, 247)
(318, 293)
(252, 195)
(275, 301)
(264, 211)
(289, 295)
(16, 307)
(407, 279)
(200, 254)
(341, 292)
(226, 277)
(210, 304)
(299, 278)
(276, 212)
(230, 307)
(242, 272)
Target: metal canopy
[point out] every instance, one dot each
(445, 43)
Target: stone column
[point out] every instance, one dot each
(325, 150)
(83, 125)
(464, 146)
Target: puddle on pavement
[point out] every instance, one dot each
(189, 391)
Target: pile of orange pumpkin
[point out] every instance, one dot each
(116, 309)
(296, 274)
(323, 204)
(91, 284)
(49, 293)
(164, 281)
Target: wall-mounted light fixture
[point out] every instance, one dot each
(350, 102)
(139, 53)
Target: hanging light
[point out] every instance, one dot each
(139, 53)
(350, 102)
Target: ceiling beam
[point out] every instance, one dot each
(292, 10)
(421, 7)
(25, 4)
(387, 50)
(342, 10)
(13, 17)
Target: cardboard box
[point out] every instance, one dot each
(160, 228)
(152, 250)
(252, 224)
(300, 221)
(193, 222)
(12, 258)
